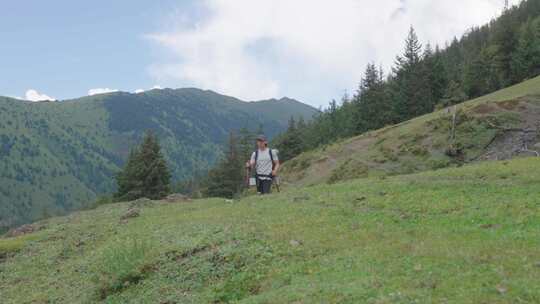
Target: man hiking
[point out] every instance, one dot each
(266, 164)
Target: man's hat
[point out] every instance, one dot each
(261, 137)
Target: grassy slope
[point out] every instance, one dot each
(421, 144)
(461, 235)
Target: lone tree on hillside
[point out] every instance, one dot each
(146, 173)
(226, 179)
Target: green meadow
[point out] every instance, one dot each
(459, 235)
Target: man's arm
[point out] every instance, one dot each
(276, 168)
(251, 162)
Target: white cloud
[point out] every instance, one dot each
(311, 50)
(156, 87)
(33, 95)
(97, 91)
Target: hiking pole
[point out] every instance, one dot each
(248, 175)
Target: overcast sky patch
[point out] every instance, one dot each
(309, 50)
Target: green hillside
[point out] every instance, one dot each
(460, 235)
(502, 125)
(57, 156)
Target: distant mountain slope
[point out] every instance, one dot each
(57, 156)
(501, 125)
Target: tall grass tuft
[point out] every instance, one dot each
(121, 265)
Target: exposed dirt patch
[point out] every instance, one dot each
(322, 159)
(178, 256)
(512, 143)
(22, 230)
(349, 169)
(362, 143)
(177, 198)
(520, 141)
(484, 109)
(509, 105)
(131, 213)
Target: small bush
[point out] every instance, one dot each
(299, 163)
(420, 151)
(123, 264)
(11, 246)
(439, 164)
(455, 150)
(304, 164)
(239, 286)
(388, 153)
(104, 200)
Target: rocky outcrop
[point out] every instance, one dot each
(22, 230)
(177, 198)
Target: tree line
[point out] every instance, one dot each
(424, 78)
(228, 177)
(147, 175)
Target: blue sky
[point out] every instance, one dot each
(64, 48)
(251, 49)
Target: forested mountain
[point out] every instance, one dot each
(57, 156)
(485, 59)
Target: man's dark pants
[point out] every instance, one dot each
(264, 186)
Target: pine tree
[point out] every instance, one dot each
(156, 182)
(129, 180)
(226, 180)
(290, 143)
(411, 93)
(246, 143)
(453, 94)
(301, 124)
(146, 173)
(346, 117)
(526, 59)
(435, 74)
(475, 82)
(373, 109)
(453, 59)
(503, 45)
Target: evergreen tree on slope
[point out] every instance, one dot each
(146, 173)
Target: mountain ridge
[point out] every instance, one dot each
(81, 98)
